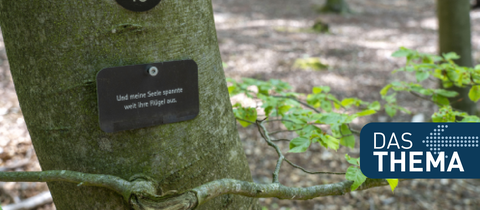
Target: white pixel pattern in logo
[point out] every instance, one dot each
(436, 142)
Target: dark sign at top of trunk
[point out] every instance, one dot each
(138, 5)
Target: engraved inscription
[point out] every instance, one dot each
(149, 94)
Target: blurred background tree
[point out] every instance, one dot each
(454, 35)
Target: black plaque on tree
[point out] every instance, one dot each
(138, 5)
(138, 96)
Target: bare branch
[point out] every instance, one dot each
(245, 120)
(300, 102)
(281, 139)
(311, 172)
(114, 183)
(282, 131)
(141, 195)
(249, 189)
(263, 131)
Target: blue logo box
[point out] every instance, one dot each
(420, 150)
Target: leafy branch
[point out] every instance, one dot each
(443, 68)
(304, 115)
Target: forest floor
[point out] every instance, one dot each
(262, 39)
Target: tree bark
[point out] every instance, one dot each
(455, 36)
(56, 48)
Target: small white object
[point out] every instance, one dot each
(418, 118)
(153, 71)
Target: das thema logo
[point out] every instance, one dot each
(420, 150)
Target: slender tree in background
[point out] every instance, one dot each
(56, 48)
(455, 36)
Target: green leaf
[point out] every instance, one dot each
(299, 144)
(348, 101)
(404, 110)
(421, 75)
(355, 174)
(446, 93)
(471, 118)
(445, 114)
(280, 85)
(326, 105)
(347, 139)
(283, 109)
(390, 98)
(329, 142)
(451, 56)
(436, 58)
(333, 119)
(366, 112)
(309, 63)
(474, 93)
(262, 89)
(231, 90)
(453, 75)
(393, 183)
(268, 110)
(440, 99)
(353, 161)
(426, 92)
(249, 114)
(319, 89)
(391, 111)
(402, 52)
(374, 106)
(409, 69)
(337, 105)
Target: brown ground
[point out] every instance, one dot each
(262, 39)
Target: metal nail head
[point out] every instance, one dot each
(153, 71)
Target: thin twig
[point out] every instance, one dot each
(424, 98)
(438, 104)
(300, 102)
(245, 120)
(281, 139)
(263, 131)
(282, 120)
(354, 131)
(282, 131)
(311, 172)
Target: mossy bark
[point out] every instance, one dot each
(55, 49)
(455, 36)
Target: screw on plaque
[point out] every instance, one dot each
(152, 70)
(138, 5)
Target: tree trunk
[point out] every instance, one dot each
(56, 48)
(455, 36)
